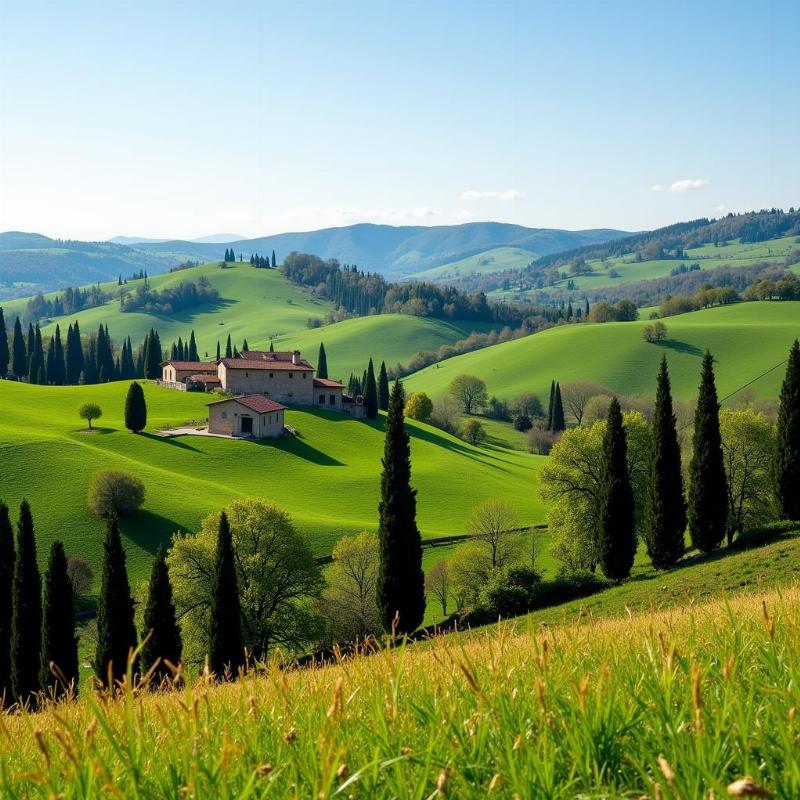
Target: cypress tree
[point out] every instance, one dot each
(116, 633)
(617, 524)
(19, 353)
(7, 559)
(225, 648)
(59, 643)
(33, 370)
(160, 624)
(383, 388)
(550, 405)
(558, 423)
(153, 354)
(228, 348)
(708, 494)
(218, 351)
(371, 393)
(59, 370)
(90, 361)
(666, 507)
(322, 362)
(4, 353)
(26, 621)
(788, 459)
(31, 346)
(271, 346)
(50, 361)
(274, 263)
(401, 583)
(179, 354)
(40, 377)
(193, 348)
(135, 408)
(235, 352)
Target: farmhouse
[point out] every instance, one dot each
(251, 415)
(285, 377)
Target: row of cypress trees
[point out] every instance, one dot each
(374, 390)
(38, 646)
(81, 359)
(704, 507)
(184, 351)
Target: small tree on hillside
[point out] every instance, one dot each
(26, 634)
(116, 632)
(114, 493)
(437, 583)
(163, 645)
(225, 649)
(89, 412)
(708, 497)
(401, 582)
(322, 362)
(469, 391)
(788, 458)
(492, 522)
(80, 575)
(557, 423)
(135, 408)
(617, 535)
(19, 353)
(59, 642)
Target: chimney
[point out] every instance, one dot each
(296, 357)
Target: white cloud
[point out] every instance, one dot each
(683, 185)
(721, 207)
(492, 194)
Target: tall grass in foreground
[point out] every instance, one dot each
(673, 705)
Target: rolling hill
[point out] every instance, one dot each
(497, 259)
(745, 338)
(31, 262)
(258, 304)
(327, 478)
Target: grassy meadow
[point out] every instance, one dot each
(497, 259)
(259, 305)
(327, 479)
(745, 338)
(670, 705)
(628, 270)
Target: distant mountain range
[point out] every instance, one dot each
(30, 262)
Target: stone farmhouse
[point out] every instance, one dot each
(268, 381)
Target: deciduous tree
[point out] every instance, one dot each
(469, 391)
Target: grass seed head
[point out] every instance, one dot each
(747, 787)
(666, 769)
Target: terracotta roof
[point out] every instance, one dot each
(195, 366)
(252, 363)
(328, 383)
(255, 402)
(204, 377)
(278, 357)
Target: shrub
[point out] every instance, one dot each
(446, 415)
(541, 440)
(497, 409)
(419, 407)
(473, 432)
(113, 492)
(80, 575)
(509, 591)
(522, 422)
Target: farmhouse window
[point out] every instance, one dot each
(322, 399)
(271, 375)
(332, 400)
(291, 375)
(224, 415)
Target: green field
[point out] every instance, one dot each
(497, 259)
(392, 338)
(746, 339)
(259, 304)
(327, 479)
(728, 254)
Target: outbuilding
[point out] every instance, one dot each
(250, 416)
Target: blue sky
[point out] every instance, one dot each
(191, 118)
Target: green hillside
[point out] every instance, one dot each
(495, 260)
(327, 479)
(391, 338)
(258, 304)
(745, 338)
(625, 269)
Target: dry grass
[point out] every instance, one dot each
(679, 704)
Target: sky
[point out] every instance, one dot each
(186, 119)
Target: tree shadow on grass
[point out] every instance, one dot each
(95, 431)
(175, 441)
(148, 530)
(300, 448)
(681, 347)
(428, 435)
